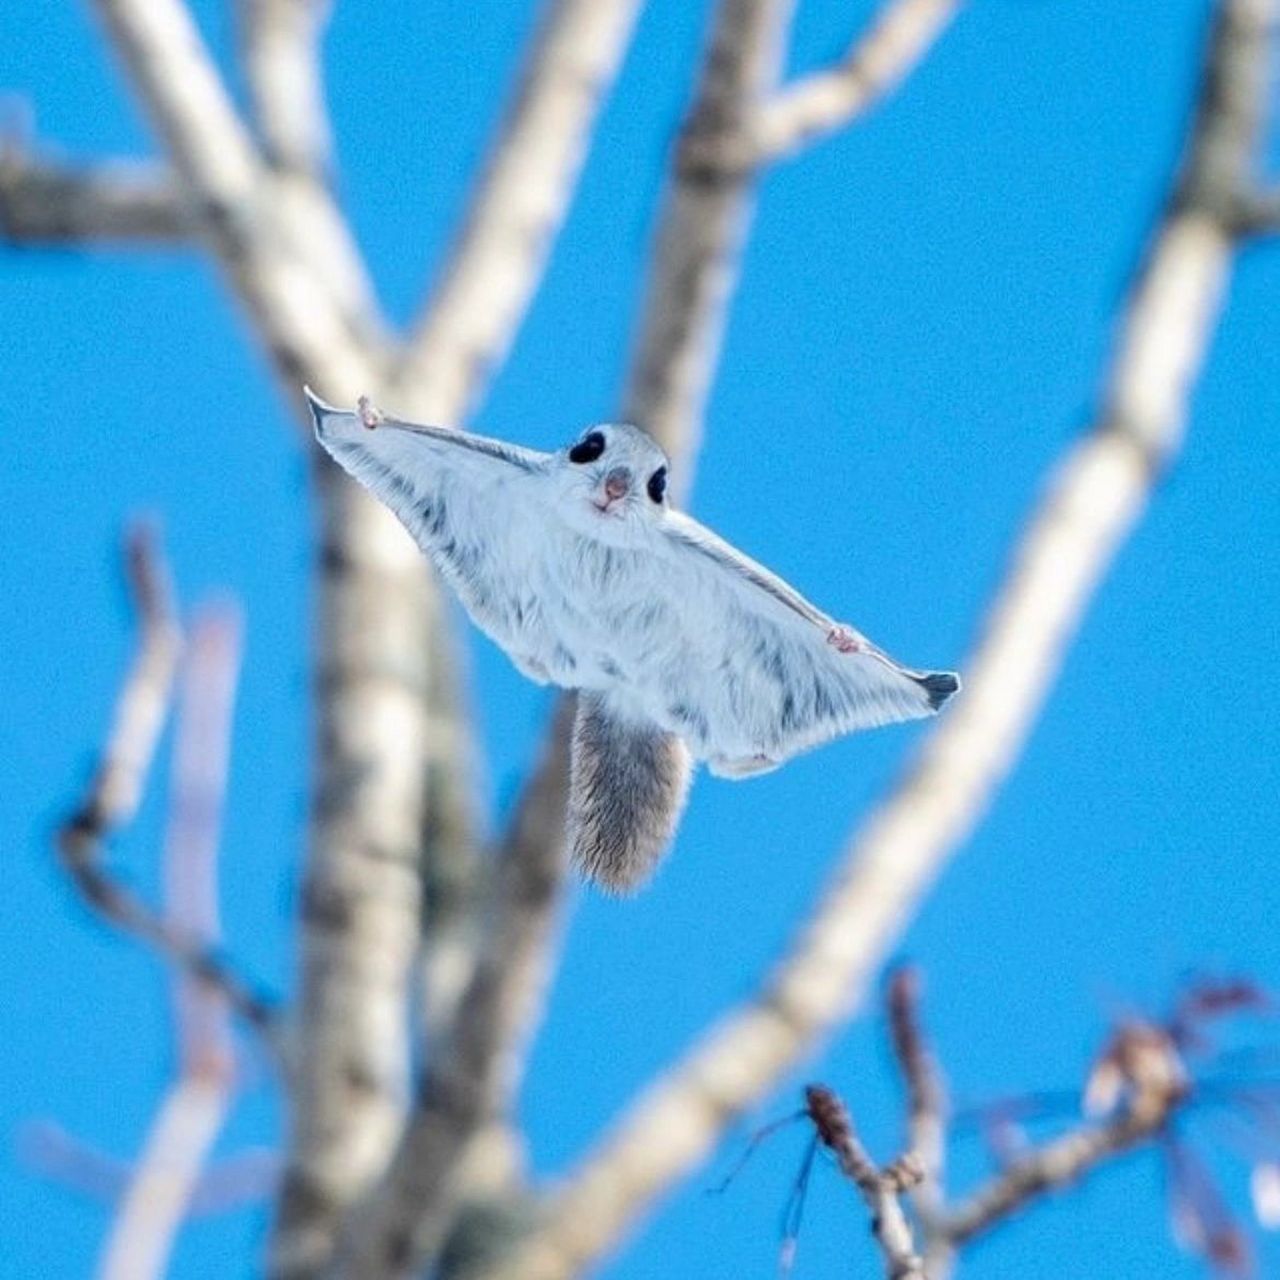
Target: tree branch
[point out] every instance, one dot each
(1097, 496)
(469, 324)
(724, 147)
(469, 1084)
(821, 103)
(43, 202)
(288, 254)
(518, 206)
(701, 233)
(192, 1114)
(116, 789)
(183, 1133)
(515, 212)
(881, 1189)
(280, 53)
(1056, 1165)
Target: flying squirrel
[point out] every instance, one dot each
(680, 647)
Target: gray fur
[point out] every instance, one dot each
(629, 782)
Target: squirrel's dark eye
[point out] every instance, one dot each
(658, 484)
(588, 449)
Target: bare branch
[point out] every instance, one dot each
(116, 789)
(1097, 495)
(493, 270)
(826, 101)
(1056, 1165)
(201, 751)
(280, 52)
(285, 247)
(881, 1189)
(184, 1131)
(362, 888)
(517, 208)
(926, 1112)
(143, 704)
(50, 1151)
(291, 261)
(470, 1083)
(47, 203)
(702, 230)
(519, 204)
(193, 1112)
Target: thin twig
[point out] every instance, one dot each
(881, 1189)
(1057, 1164)
(1098, 494)
(926, 1112)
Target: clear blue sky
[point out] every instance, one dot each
(924, 309)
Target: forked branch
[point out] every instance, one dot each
(116, 789)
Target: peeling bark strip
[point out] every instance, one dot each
(1096, 497)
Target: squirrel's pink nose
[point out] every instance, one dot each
(617, 484)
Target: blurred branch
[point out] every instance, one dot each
(116, 789)
(734, 129)
(493, 977)
(468, 325)
(1057, 1164)
(1098, 494)
(194, 1109)
(201, 754)
(469, 1083)
(280, 53)
(518, 207)
(288, 255)
(801, 113)
(184, 1131)
(230, 1183)
(291, 260)
(1140, 1083)
(45, 202)
(926, 1113)
(1147, 1084)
